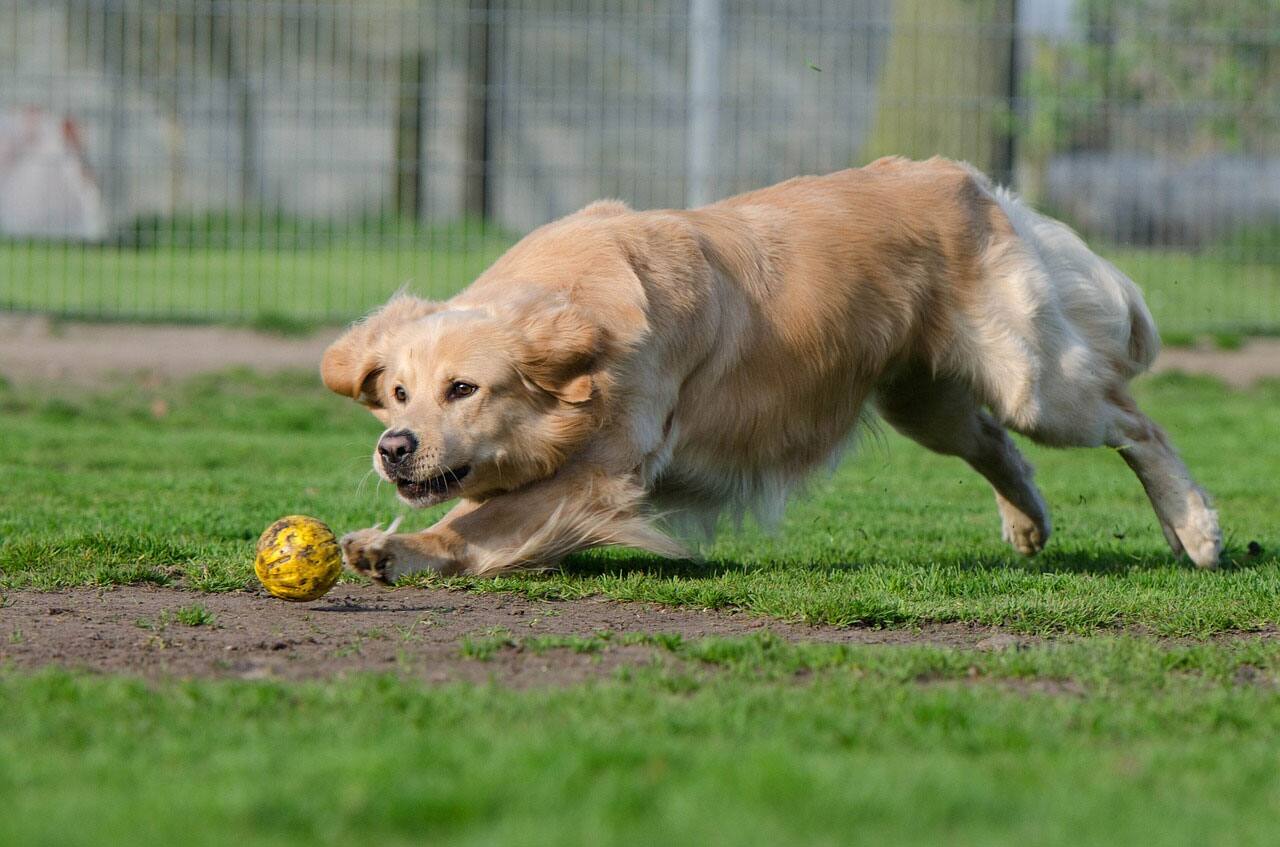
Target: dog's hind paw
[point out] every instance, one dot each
(1200, 534)
(1026, 536)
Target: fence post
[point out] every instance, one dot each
(113, 37)
(703, 99)
(239, 77)
(407, 188)
(1006, 159)
(476, 191)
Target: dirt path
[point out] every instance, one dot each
(34, 349)
(1256, 360)
(414, 632)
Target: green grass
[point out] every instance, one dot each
(1101, 739)
(294, 283)
(1112, 741)
(195, 615)
(274, 289)
(896, 537)
(1190, 293)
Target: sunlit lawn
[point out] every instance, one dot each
(1188, 294)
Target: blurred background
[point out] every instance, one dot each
(290, 164)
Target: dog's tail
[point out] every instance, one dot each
(1098, 298)
(1144, 338)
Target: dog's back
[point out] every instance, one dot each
(928, 263)
(853, 278)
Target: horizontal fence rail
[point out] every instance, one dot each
(293, 163)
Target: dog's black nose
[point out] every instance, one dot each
(395, 447)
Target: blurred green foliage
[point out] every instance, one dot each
(1178, 77)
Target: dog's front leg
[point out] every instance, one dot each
(538, 525)
(386, 556)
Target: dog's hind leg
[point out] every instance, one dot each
(943, 415)
(1189, 522)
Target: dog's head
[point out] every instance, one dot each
(476, 401)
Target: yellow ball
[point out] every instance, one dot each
(298, 558)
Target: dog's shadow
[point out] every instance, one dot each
(1052, 561)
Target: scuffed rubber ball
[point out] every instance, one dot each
(298, 558)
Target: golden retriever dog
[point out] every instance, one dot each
(618, 366)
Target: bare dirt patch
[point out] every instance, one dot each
(34, 348)
(1256, 360)
(414, 632)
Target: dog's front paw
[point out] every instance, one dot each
(369, 552)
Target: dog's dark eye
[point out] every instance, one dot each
(461, 389)
(400, 394)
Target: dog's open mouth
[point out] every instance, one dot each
(436, 486)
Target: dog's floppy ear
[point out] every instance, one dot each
(352, 364)
(560, 347)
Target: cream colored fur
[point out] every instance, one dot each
(688, 362)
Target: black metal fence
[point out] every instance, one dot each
(287, 161)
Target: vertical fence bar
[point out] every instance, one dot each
(409, 104)
(476, 133)
(703, 100)
(1007, 158)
